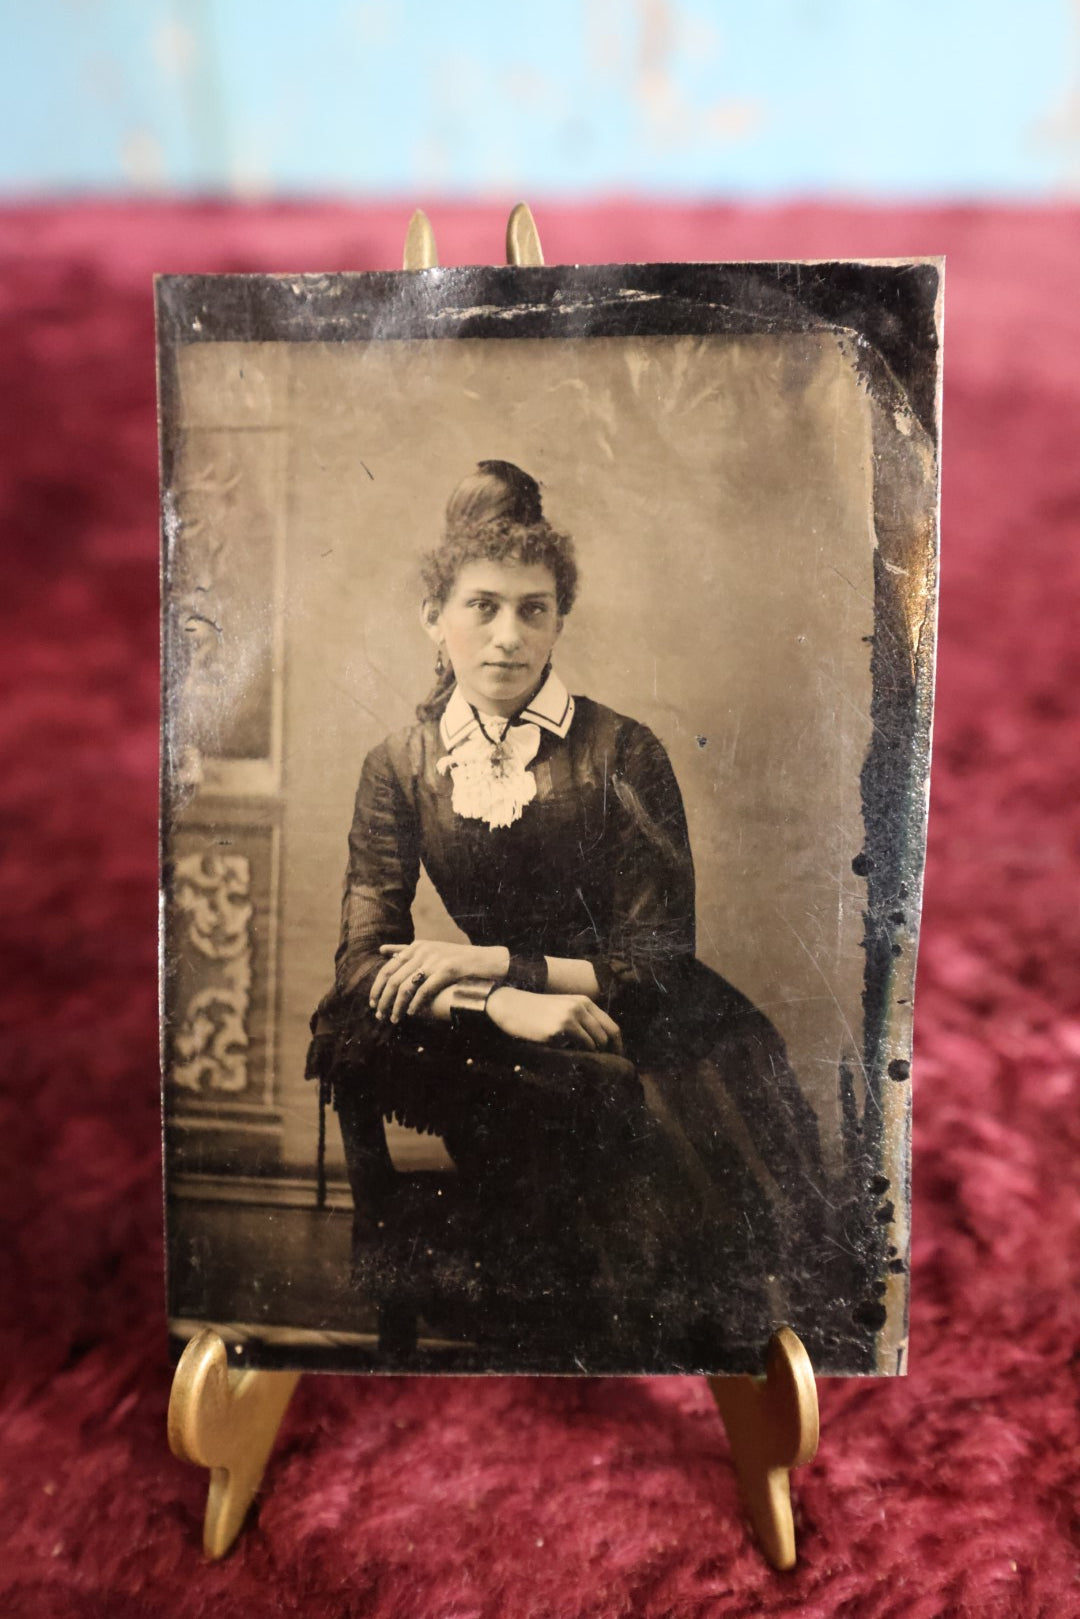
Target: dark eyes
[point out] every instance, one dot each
(487, 608)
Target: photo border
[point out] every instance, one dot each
(888, 312)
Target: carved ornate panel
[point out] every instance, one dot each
(224, 518)
(221, 932)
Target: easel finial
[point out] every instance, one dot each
(522, 237)
(420, 250)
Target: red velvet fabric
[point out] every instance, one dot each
(950, 1493)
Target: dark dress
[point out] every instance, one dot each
(633, 1212)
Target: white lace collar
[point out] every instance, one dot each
(488, 759)
(552, 709)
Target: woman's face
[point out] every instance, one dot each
(498, 626)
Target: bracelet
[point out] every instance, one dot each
(469, 998)
(528, 972)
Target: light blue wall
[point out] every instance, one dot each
(412, 98)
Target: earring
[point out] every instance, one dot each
(440, 663)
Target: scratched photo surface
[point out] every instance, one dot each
(720, 751)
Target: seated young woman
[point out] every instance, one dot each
(633, 1150)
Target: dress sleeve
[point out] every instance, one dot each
(380, 881)
(652, 936)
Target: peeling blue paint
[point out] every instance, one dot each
(408, 98)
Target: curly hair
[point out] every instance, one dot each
(496, 515)
(530, 544)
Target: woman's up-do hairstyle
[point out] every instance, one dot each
(494, 515)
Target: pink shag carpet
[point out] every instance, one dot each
(950, 1493)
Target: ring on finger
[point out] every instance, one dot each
(417, 979)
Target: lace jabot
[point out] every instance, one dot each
(488, 757)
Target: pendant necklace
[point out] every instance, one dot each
(500, 753)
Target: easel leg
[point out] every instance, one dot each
(772, 1425)
(227, 1421)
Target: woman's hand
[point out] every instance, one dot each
(553, 1019)
(397, 989)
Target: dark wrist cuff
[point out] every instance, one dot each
(528, 972)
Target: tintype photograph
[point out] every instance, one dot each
(548, 660)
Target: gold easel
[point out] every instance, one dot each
(227, 1419)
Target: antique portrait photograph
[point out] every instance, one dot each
(548, 661)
